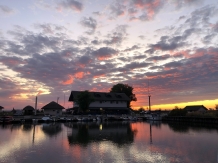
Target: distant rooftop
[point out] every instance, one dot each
(195, 107)
(103, 96)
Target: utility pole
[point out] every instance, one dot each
(149, 98)
(36, 105)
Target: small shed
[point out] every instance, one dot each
(195, 108)
(53, 108)
(28, 110)
(1, 107)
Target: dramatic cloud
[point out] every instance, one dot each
(117, 9)
(104, 53)
(49, 28)
(11, 61)
(10, 88)
(71, 4)
(185, 3)
(148, 8)
(166, 43)
(171, 43)
(89, 23)
(117, 36)
(136, 65)
(68, 81)
(134, 47)
(6, 10)
(158, 58)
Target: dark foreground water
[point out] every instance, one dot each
(110, 142)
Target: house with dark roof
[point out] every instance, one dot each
(28, 110)
(109, 103)
(195, 108)
(53, 108)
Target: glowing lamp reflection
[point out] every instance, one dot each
(100, 127)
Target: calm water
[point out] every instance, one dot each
(108, 142)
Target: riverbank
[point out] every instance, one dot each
(190, 119)
(69, 118)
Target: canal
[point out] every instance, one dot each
(109, 142)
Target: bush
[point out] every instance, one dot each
(178, 112)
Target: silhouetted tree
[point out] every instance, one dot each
(141, 109)
(84, 99)
(178, 112)
(124, 88)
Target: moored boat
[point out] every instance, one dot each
(45, 119)
(6, 119)
(154, 117)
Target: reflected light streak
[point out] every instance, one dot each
(12, 145)
(135, 154)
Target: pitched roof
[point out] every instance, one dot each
(30, 108)
(52, 105)
(195, 107)
(103, 96)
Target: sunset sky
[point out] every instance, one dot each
(49, 48)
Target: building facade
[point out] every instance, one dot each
(196, 108)
(53, 109)
(109, 103)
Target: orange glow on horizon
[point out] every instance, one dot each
(207, 103)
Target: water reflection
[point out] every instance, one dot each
(27, 127)
(10, 126)
(138, 142)
(85, 133)
(187, 127)
(51, 129)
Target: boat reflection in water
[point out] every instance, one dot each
(85, 133)
(51, 129)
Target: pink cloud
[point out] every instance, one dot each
(79, 75)
(68, 81)
(11, 61)
(70, 4)
(98, 76)
(151, 6)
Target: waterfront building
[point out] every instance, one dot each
(104, 103)
(28, 110)
(53, 108)
(195, 108)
